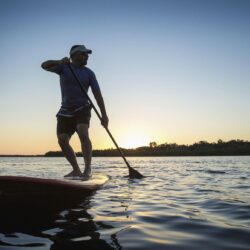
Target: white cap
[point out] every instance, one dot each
(81, 48)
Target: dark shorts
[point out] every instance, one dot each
(68, 124)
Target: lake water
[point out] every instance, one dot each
(183, 203)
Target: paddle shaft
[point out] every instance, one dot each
(99, 116)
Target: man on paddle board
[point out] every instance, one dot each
(75, 112)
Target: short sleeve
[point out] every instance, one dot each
(93, 82)
(56, 69)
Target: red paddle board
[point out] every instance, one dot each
(20, 190)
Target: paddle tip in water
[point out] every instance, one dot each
(134, 174)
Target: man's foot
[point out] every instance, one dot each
(87, 173)
(73, 173)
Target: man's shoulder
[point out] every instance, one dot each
(89, 70)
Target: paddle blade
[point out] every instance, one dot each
(134, 174)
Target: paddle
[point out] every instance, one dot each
(134, 174)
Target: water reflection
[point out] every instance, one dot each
(65, 227)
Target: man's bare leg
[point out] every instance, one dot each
(63, 141)
(86, 145)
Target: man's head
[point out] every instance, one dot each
(79, 54)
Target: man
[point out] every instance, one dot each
(75, 111)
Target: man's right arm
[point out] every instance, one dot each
(51, 63)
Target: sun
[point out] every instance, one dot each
(134, 141)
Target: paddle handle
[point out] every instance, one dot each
(99, 116)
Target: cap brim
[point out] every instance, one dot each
(89, 51)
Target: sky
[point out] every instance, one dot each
(169, 71)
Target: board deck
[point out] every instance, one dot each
(23, 189)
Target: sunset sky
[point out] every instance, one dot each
(169, 71)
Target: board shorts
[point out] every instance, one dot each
(68, 124)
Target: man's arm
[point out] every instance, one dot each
(52, 63)
(99, 99)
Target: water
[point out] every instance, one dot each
(184, 203)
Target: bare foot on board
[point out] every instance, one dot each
(73, 173)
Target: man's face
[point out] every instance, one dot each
(80, 58)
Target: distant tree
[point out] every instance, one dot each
(202, 142)
(152, 144)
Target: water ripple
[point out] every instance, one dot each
(184, 203)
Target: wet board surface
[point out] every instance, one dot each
(23, 189)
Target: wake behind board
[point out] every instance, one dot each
(17, 190)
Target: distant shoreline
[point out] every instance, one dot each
(201, 148)
(119, 155)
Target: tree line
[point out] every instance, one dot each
(201, 148)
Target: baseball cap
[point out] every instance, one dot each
(81, 48)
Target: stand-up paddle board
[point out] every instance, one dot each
(18, 190)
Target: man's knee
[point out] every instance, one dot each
(83, 131)
(63, 139)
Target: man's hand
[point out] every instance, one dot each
(105, 121)
(65, 60)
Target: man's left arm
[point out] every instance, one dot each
(99, 99)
